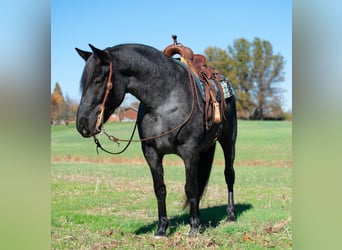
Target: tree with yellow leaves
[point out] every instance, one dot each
(58, 105)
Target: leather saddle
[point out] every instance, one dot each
(208, 76)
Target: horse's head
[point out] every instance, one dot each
(96, 105)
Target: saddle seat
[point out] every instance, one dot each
(206, 74)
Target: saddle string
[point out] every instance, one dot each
(99, 122)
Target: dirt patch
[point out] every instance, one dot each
(103, 160)
(176, 162)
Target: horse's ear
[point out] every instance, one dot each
(84, 54)
(100, 54)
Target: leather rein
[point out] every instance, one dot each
(99, 121)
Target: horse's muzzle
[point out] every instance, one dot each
(83, 127)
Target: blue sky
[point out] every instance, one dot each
(197, 23)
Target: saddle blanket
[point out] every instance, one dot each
(227, 87)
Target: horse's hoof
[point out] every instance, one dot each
(158, 237)
(231, 218)
(193, 233)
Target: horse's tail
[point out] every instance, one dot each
(203, 172)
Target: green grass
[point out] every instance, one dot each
(267, 143)
(100, 202)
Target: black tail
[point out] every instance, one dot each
(204, 169)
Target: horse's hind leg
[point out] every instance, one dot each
(227, 142)
(157, 171)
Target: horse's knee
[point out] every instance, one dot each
(160, 192)
(191, 187)
(189, 192)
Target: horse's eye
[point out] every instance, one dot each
(98, 82)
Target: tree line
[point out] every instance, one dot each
(254, 71)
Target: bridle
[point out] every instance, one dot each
(99, 121)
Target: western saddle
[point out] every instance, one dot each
(208, 76)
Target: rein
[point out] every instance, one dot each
(99, 122)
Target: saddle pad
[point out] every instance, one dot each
(227, 87)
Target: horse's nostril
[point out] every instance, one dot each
(83, 127)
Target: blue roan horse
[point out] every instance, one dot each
(167, 117)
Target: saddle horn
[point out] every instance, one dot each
(177, 48)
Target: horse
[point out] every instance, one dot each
(169, 120)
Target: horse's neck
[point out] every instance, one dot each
(150, 82)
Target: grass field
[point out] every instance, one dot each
(107, 202)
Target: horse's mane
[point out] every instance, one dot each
(90, 70)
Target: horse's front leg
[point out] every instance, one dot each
(192, 191)
(155, 163)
